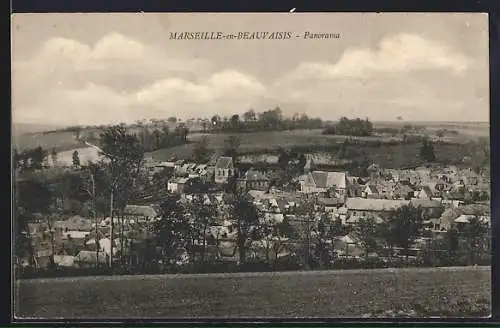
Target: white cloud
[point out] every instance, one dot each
(114, 60)
(404, 75)
(91, 104)
(223, 92)
(121, 79)
(395, 53)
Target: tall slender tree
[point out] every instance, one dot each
(403, 228)
(123, 156)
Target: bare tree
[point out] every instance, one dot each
(90, 189)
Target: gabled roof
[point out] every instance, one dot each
(330, 201)
(464, 218)
(140, 210)
(64, 260)
(309, 163)
(372, 188)
(273, 217)
(76, 234)
(201, 167)
(255, 175)
(403, 188)
(324, 179)
(347, 239)
(426, 189)
(426, 203)
(450, 214)
(224, 162)
(75, 223)
(89, 257)
(380, 205)
(227, 248)
(181, 180)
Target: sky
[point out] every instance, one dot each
(70, 69)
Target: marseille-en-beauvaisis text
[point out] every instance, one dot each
(230, 36)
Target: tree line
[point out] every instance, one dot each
(30, 159)
(350, 127)
(163, 137)
(270, 120)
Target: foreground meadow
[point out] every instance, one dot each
(431, 292)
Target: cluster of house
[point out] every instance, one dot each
(68, 242)
(440, 192)
(81, 242)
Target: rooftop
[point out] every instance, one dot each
(323, 179)
(224, 162)
(379, 205)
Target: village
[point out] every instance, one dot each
(310, 167)
(315, 219)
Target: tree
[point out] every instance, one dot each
(22, 242)
(249, 116)
(33, 196)
(343, 149)
(302, 163)
(203, 216)
(172, 119)
(281, 234)
(215, 120)
(246, 222)
(231, 145)
(124, 155)
(451, 244)
(69, 189)
(122, 150)
(78, 132)
(271, 119)
(323, 248)
(204, 125)
(30, 196)
(32, 159)
(403, 227)
(440, 134)
(181, 133)
(173, 230)
(427, 151)
(201, 151)
(307, 225)
(475, 233)
(53, 155)
(76, 159)
(367, 233)
(351, 127)
(234, 122)
(89, 187)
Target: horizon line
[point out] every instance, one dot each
(184, 120)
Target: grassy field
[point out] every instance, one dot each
(252, 142)
(59, 140)
(387, 155)
(480, 129)
(436, 292)
(30, 136)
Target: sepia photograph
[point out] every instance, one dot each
(250, 166)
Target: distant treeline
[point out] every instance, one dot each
(163, 137)
(251, 121)
(30, 159)
(351, 127)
